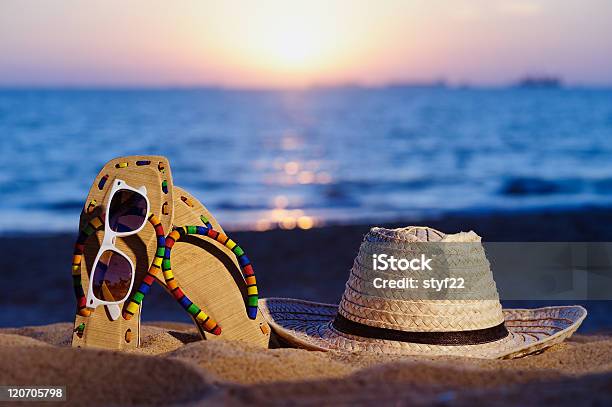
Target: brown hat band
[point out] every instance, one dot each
(472, 337)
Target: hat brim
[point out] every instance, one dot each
(309, 325)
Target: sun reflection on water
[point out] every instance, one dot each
(295, 172)
(286, 175)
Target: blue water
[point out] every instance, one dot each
(258, 159)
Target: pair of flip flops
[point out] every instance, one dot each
(208, 269)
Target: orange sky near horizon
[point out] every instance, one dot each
(277, 43)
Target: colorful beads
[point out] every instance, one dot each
(207, 323)
(130, 310)
(145, 285)
(79, 330)
(165, 186)
(205, 221)
(162, 261)
(244, 262)
(102, 182)
(143, 162)
(121, 165)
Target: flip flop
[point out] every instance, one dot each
(104, 327)
(212, 272)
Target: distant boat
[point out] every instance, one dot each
(441, 83)
(539, 82)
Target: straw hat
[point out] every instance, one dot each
(404, 321)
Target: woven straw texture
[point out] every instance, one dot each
(395, 309)
(309, 325)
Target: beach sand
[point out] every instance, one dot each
(174, 367)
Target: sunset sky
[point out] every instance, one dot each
(287, 43)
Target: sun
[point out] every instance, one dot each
(291, 46)
(283, 42)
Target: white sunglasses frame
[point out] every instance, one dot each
(108, 243)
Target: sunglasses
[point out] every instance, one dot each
(112, 278)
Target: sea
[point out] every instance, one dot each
(262, 159)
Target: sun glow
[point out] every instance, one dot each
(300, 43)
(293, 47)
(289, 42)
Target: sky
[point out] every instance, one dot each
(284, 43)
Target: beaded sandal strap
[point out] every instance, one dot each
(245, 264)
(161, 257)
(149, 279)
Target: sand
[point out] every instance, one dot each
(174, 367)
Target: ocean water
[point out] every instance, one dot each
(263, 159)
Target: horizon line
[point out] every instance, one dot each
(349, 85)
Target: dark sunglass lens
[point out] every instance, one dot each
(112, 277)
(127, 211)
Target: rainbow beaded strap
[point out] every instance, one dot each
(145, 285)
(245, 263)
(162, 258)
(207, 323)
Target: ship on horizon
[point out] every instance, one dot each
(539, 82)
